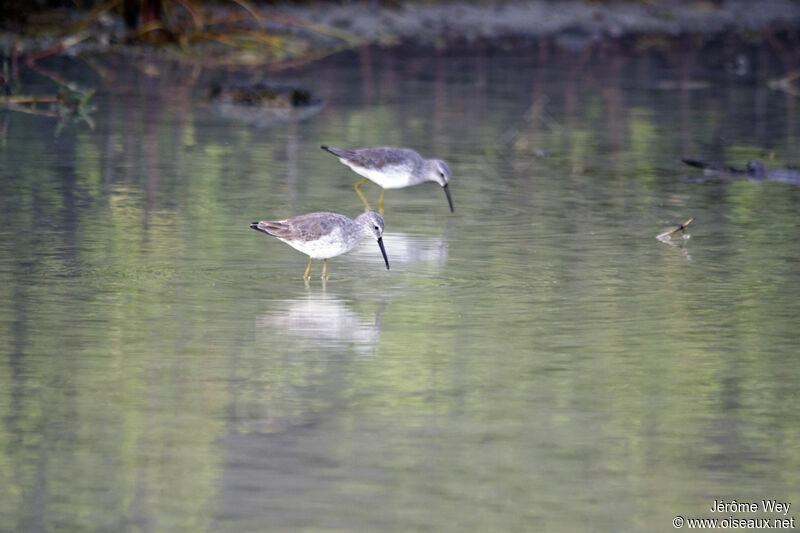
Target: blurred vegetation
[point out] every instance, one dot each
(233, 31)
(69, 104)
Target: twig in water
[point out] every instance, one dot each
(681, 228)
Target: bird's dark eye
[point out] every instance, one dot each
(376, 228)
(441, 174)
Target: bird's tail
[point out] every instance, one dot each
(259, 226)
(338, 152)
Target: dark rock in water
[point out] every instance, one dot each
(264, 104)
(754, 171)
(262, 94)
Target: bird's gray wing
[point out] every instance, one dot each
(313, 225)
(378, 158)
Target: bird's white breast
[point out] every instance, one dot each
(388, 177)
(330, 245)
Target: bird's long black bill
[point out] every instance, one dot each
(449, 200)
(383, 251)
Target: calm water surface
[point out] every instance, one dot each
(535, 361)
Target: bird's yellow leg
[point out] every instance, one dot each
(360, 194)
(380, 202)
(324, 269)
(308, 269)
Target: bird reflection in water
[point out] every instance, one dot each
(407, 248)
(325, 322)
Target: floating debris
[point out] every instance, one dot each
(667, 235)
(753, 171)
(680, 244)
(713, 167)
